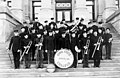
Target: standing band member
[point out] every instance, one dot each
(96, 52)
(26, 57)
(75, 48)
(85, 42)
(39, 50)
(49, 47)
(108, 43)
(15, 44)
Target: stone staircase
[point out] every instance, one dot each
(108, 68)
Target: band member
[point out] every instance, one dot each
(96, 53)
(45, 44)
(32, 37)
(36, 24)
(24, 45)
(85, 49)
(100, 34)
(15, 44)
(26, 27)
(39, 50)
(57, 36)
(108, 43)
(53, 23)
(46, 26)
(75, 48)
(49, 47)
(64, 42)
(22, 33)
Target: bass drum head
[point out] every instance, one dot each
(63, 58)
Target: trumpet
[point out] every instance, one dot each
(97, 46)
(26, 50)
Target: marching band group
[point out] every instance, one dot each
(40, 42)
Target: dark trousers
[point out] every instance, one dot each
(91, 52)
(33, 51)
(85, 60)
(16, 57)
(75, 54)
(27, 60)
(97, 58)
(39, 59)
(108, 50)
(50, 56)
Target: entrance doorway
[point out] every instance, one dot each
(63, 14)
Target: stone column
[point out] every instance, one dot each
(17, 9)
(110, 8)
(100, 9)
(46, 11)
(81, 10)
(26, 10)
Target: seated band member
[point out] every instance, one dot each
(15, 44)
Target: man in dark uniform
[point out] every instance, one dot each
(85, 42)
(64, 42)
(96, 53)
(75, 48)
(39, 50)
(36, 24)
(108, 43)
(15, 44)
(32, 37)
(50, 46)
(53, 23)
(100, 34)
(26, 27)
(45, 44)
(27, 55)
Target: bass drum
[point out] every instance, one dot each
(63, 58)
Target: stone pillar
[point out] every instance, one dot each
(81, 10)
(46, 11)
(110, 8)
(26, 10)
(17, 9)
(101, 7)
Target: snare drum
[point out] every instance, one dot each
(63, 58)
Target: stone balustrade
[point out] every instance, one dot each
(8, 22)
(114, 19)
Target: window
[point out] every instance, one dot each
(36, 9)
(90, 8)
(117, 3)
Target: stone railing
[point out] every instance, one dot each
(114, 19)
(8, 22)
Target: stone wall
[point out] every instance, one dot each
(8, 22)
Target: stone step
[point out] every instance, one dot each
(63, 74)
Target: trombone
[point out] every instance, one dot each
(97, 46)
(26, 50)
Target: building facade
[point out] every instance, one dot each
(14, 12)
(63, 9)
